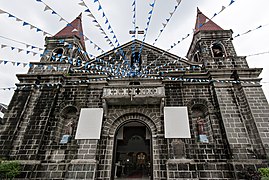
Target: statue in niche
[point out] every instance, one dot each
(69, 127)
(201, 126)
(178, 149)
(201, 130)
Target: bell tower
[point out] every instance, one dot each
(67, 45)
(212, 46)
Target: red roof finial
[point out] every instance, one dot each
(204, 23)
(73, 29)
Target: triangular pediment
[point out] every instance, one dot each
(153, 61)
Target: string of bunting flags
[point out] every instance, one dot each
(24, 23)
(134, 25)
(190, 80)
(20, 49)
(167, 21)
(215, 14)
(98, 48)
(152, 5)
(251, 30)
(27, 45)
(109, 27)
(97, 24)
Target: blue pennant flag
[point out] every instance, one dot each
(69, 24)
(167, 20)
(133, 3)
(37, 30)
(150, 12)
(30, 65)
(104, 15)
(18, 63)
(9, 15)
(152, 5)
(87, 10)
(95, 21)
(25, 23)
(95, 0)
(27, 52)
(106, 21)
(114, 37)
(259, 27)
(99, 8)
(38, 0)
(232, 1)
(109, 27)
(53, 12)
(12, 48)
(5, 62)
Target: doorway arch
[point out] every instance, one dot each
(132, 156)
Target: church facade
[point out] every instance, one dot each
(138, 111)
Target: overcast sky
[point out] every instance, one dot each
(241, 16)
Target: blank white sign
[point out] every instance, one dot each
(90, 123)
(176, 122)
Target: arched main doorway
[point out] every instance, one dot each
(132, 152)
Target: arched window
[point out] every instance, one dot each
(217, 50)
(57, 54)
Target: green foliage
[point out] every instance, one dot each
(264, 172)
(9, 169)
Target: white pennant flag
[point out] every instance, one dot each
(90, 15)
(47, 8)
(171, 14)
(75, 30)
(24, 64)
(85, 38)
(19, 20)
(164, 24)
(3, 46)
(1, 61)
(206, 20)
(178, 1)
(222, 8)
(82, 4)
(66, 43)
(13, 63)
(1, 11)
(32, 27)
(20, 50)
(61, 19)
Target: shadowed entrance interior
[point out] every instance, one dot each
(132, 152)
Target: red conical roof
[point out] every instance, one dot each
(73, 29)
(203, 23)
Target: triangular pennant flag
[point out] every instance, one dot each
(18, 63)
(12, 48)
(164, 24)
(37, 30)
(95, 0)
(20, 50)
(90, 15)
(5, 62)
(53, 12)
(13, 63)
(222, 8)
(150, 12)
(178, 1)
(1, 61)
(171, 14)
(87, 10)
(61, 19)
(152, 5)
(103, 14)
(3, 46)
(75, 30)
(106, 21)
(85, 38)
(24, 64)
(232, 1)
(2, 12)
(206, 20)
(99, 8)
(47, 8)
(25, 23)
(10, 15)
(32, 27)
(82, 3)
(19, 20)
